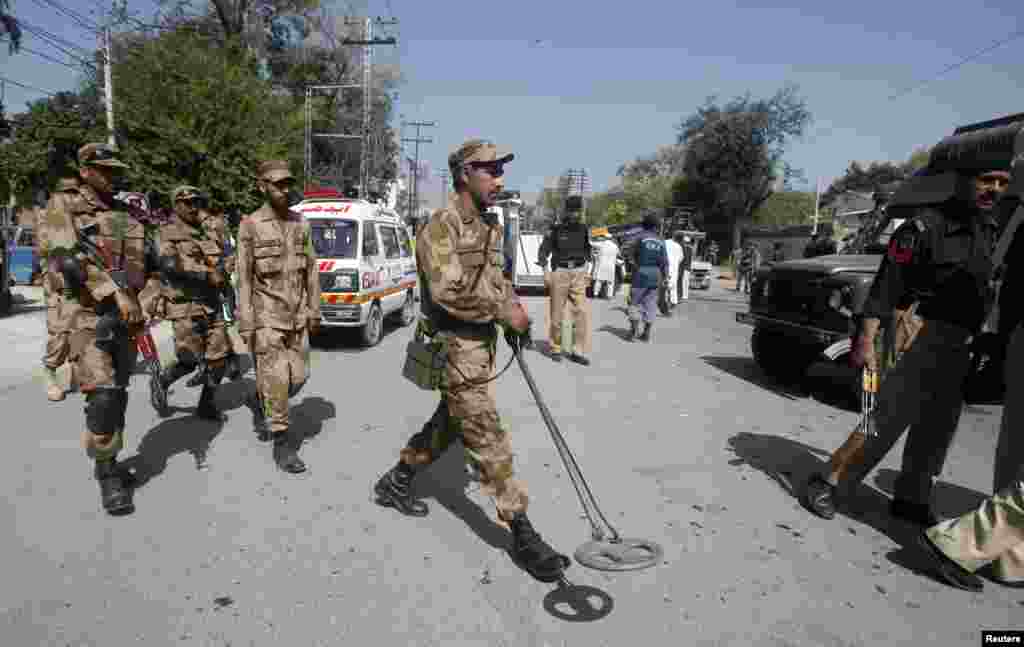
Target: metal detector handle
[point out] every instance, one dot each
(579, 483)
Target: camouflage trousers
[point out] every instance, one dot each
(58, 344)
(189, 343)
(568, 288)
(995, 531)
(282, 369)
(468, 412)
(102, 376)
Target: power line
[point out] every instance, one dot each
(50, 58)
(1012, 37)
(52, 37)
(82, 22)
(27, 86)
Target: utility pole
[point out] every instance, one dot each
(366, 158)
(817, 202)
(445, 176)
(415, 174)
(108, 81)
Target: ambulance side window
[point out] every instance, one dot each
(370, 247)
(406, 245)
(390, 240)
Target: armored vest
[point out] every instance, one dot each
(195, 250)
(650, 251)
(571, 242)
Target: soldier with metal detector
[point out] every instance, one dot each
(465, 297)
(192, 267)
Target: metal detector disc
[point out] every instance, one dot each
(622, 555)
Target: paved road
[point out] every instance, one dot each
(682, 441)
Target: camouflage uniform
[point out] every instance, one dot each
(464, 294)
(278, 300)
(58, 219)
(102, 367)
(189, 256)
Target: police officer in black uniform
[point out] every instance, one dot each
(568, 244)
(940, 258)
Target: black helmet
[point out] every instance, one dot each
(652, 220)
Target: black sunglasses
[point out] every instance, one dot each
(102, 154)
(495, 169)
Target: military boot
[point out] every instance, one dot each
(634, 329)
(534, 554)
(286, 452)
(394, 489)
(646, 336)
(54, 391)
(207, 409)
(199, 377)
(173, 374)
(114, 494)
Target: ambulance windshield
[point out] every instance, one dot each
(335, 238)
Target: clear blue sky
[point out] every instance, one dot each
(608, 83)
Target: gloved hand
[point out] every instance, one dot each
(518, 341)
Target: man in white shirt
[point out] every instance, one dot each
(606, 254)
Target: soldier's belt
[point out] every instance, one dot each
(570, 265)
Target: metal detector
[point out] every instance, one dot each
(602, 552)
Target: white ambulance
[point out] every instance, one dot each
(366, 262)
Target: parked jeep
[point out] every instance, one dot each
(804, 311)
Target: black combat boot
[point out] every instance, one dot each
(819, 496)
(534, 554)
(199, 377)
(634, 329)
(394, 489)
(114, 495)
(234, 370)
(207, 409)
(286, 452)
(175, 373)
(646, 336)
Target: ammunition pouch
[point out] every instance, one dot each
(425, 359)
(73, 272)
(108, 327)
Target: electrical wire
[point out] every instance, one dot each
(996, 45)
(27, 86)
(77, 18)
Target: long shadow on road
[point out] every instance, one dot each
(746, 369)
(168, 439)
(950, 500)
(791, 463)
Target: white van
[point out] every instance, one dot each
(366, 262)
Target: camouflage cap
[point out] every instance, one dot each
(184, 192)
(67, 184)
(99, 154)
(274, 170)
(477, 150)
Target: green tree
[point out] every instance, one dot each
(45, 141)
(734, 151)
(863, 179)
(193, 112)
(786, 208)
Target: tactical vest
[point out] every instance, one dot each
(194, 251)
(650, 252)
(571, 243)
(122, 241)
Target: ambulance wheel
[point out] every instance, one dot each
(407, 314)
(371, 332)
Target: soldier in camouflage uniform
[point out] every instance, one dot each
(278, 303)
(459, 258)
(217, 222)
(58, 219)
(103, 288)
(192, 271)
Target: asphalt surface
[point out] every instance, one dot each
(682, 440)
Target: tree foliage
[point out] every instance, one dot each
(45, 142)
(786, 208)
(868, 179)
(735, 150)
